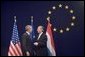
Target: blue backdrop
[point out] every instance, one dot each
(67, 44)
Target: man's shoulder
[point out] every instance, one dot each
(24, 34)
(44, 34)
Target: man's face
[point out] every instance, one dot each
(39, 30)
(30, 29)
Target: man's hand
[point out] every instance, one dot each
(36, 43)
(27, 53)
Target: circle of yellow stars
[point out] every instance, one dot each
(71, 11)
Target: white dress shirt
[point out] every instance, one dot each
(28, 33)
(40, 35)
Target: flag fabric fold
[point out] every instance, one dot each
(15, 46)
(50, 41)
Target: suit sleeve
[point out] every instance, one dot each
(24, 43)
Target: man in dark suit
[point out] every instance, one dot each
(27, 47)
(41, 42)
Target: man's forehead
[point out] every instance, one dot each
(39, 26)
(29, 26)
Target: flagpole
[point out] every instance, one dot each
(31, 18)
(15, 18)
(33, 35)
(48, 19)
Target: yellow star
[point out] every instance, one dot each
(54, 7)
(67, 29)
(72, 24)
(54, 29)
(73, 17)
(49, 12)
(60, 6)
(66, 7)
(71, 11)
(61, 31)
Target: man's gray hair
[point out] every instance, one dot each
(28, 27)
(42, 28)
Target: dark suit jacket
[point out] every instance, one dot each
(41, 49)
(26, 44)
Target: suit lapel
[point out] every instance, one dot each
(40, 36)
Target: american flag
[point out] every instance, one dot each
(15, 46)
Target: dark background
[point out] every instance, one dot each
(67, 44)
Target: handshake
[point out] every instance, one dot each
(41, 40)
(36, 43)
(40, 30)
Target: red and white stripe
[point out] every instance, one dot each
(14, 50)
(50, 42)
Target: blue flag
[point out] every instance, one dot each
(32, 34)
